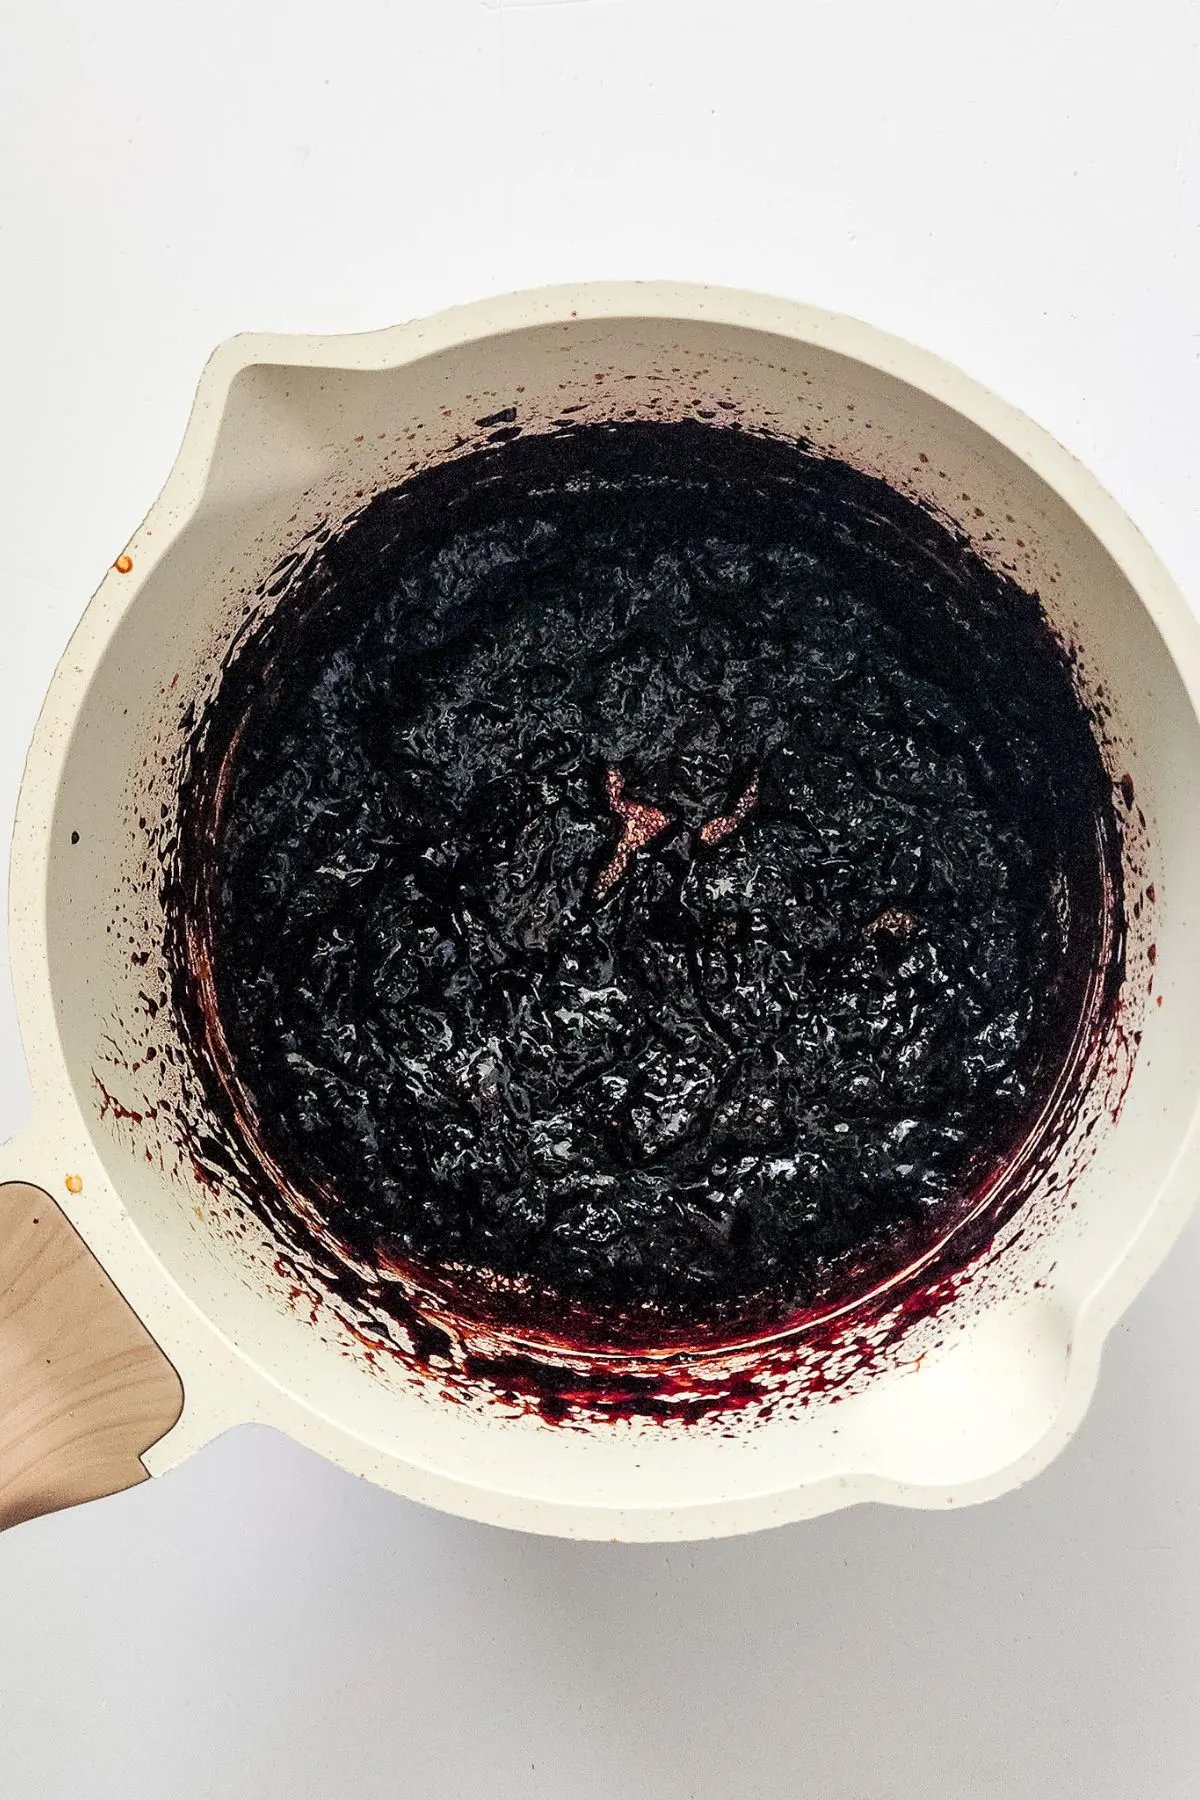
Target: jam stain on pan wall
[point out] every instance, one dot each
(641, 894)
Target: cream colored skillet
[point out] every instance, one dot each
(142, 1312)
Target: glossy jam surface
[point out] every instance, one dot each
(652, 871)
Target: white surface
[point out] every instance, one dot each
(1017, 187)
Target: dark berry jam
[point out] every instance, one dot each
(653, 871)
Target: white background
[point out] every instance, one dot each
(1016, 186)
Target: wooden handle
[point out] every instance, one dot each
(84, 1389)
